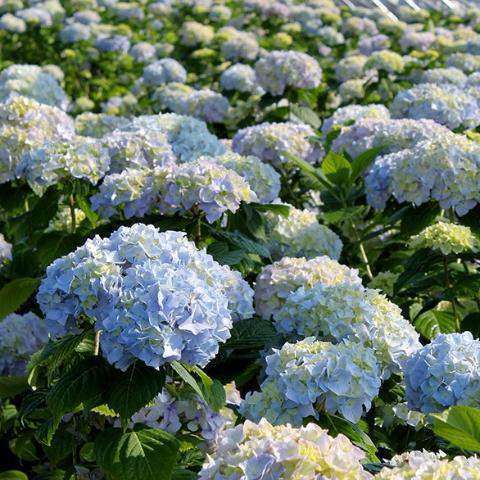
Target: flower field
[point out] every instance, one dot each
(239, 240)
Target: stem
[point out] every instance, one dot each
(71, 202)
(449, 285)
(363, 253)
(96, 345)
(198, 230)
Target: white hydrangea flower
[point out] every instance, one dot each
(447, 104)
(277, 281)
(300, 235)
(79, 157)
(270, 142)
(261, 450)
(425, 465)
(352, 113)
(34, 82)
(339, 378)
(262, 178)
(25, 125)
(447, 238)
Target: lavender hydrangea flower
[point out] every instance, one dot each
(79, 157)
(262, 451)
(154, 296)
(20, 337)
(237, 45)
(342, 378)
(25, 125)
(279, 69)
(270, 142)
(444, 373)
(115, 43)
(277, 281)
(446, 104)
(300, 235)
(163, 71)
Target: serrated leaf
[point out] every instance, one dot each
(361, 163)
(142, 454)
(185, 375)
(278, 208)
(85, 385)
(336, 168)
(12, 386)
(336, 425)
(23, 448)
(460, 426)
(252, 333)
(135, 388)
(430, 323)
(306, 115)
(14, 294)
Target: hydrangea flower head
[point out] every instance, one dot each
(444, 373)
(300, 235)
(280, 69)
(447, 238)
(164, 71)
(270, 141)
(447, 104)
(20, 337)
(277, 281)
(154, 296)
(342, 378)
(385, 60)
(425, 465)
(252, 450)
(33, 82)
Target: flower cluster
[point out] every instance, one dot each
(448, 105)
(20, 337)
(443, 373)
(345, 310)
(352, 113)
(236, 44)
(261, 450)
(241, 78)
(34, 82)
(311, 375)
(262, 178)
(25, 125)
(273, 142)
(277, 281)
(5, 250)
(424, 465)
(164, 71)
(446, 169)
(278, 70)
(77, 157)
(447, 238)
(153, 295)
(300, 235)
(391, 135)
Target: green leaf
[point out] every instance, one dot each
(183, 474)
(14, 294)
(251, 334)
(134, 389)
(142, 454)
(278, 208)
(87, 210)
(12, 386)
(84, 386)
(363, 161)
(460, 426)
(336, 425)
(315, 175)
(430, 323)
(13, 475)
(336, 168)
(184, 374)
(306, 115)
(213, 390)
(23, 448)
(242, 242)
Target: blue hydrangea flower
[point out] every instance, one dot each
(20, 337)
(164, 71)
(444, 373)
(154, 296)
